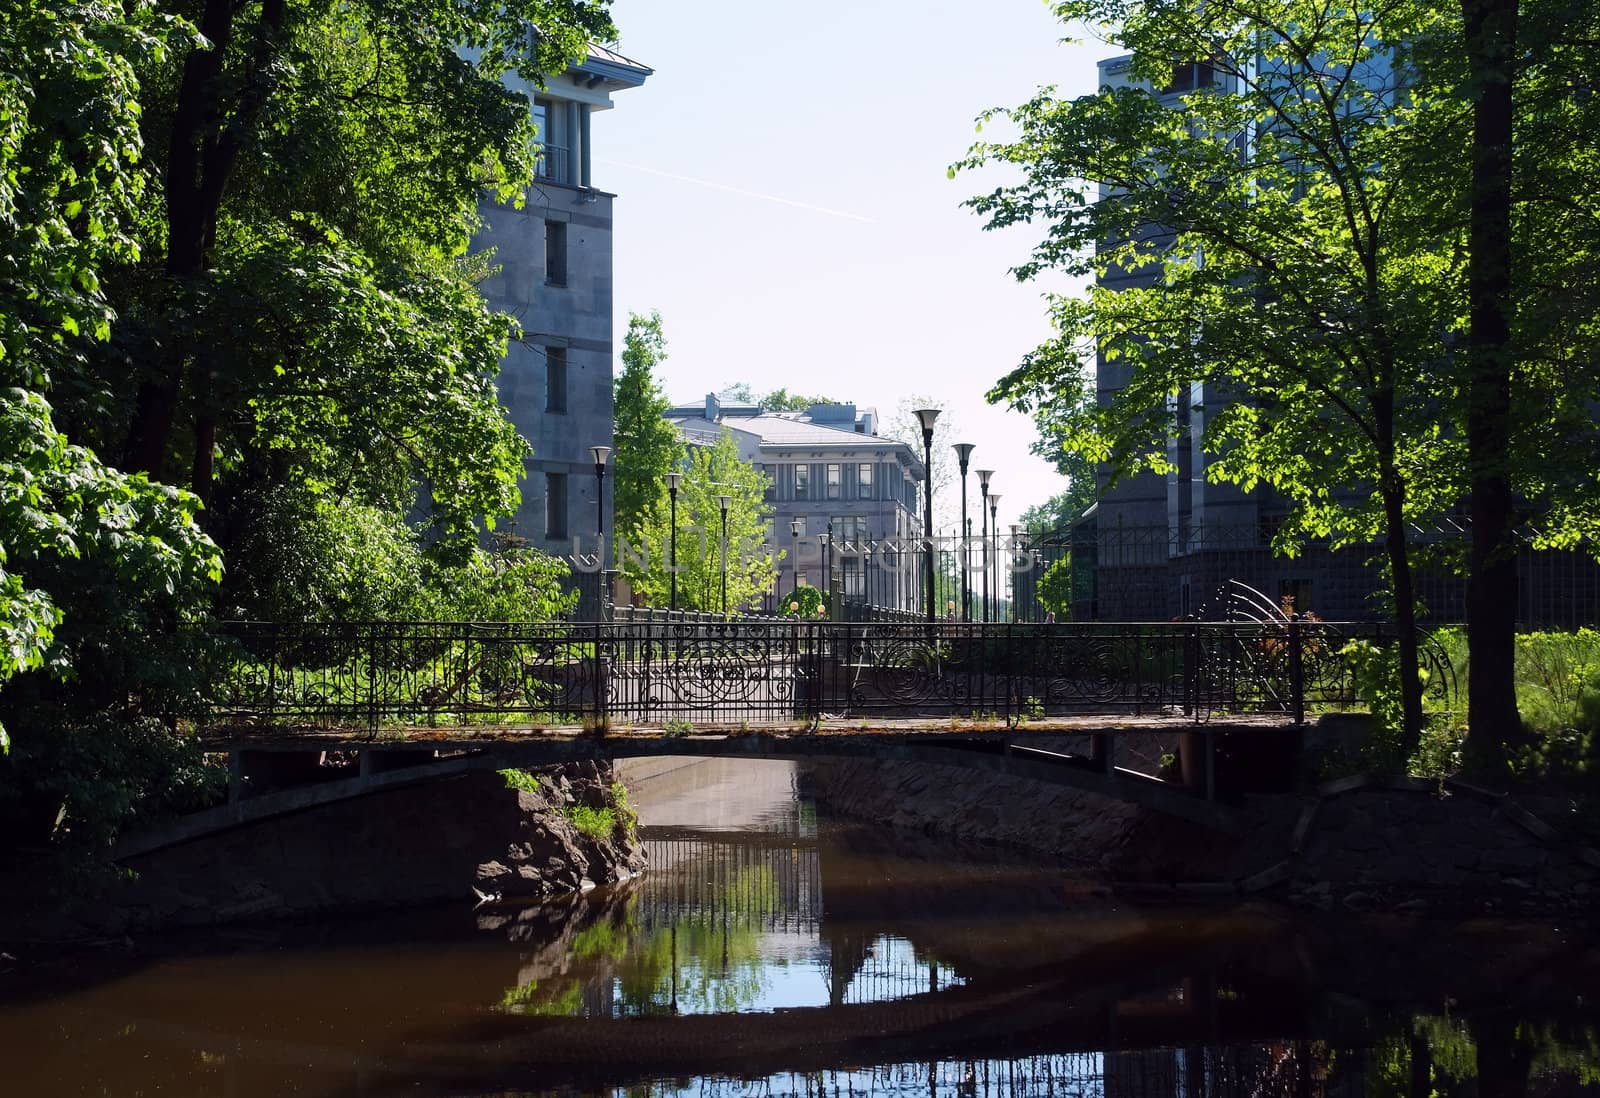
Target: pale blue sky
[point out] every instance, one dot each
(782, 199)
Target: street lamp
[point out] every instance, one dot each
(983, 517)
(927, 417)
(1016, 545)
(722, 501)
(963, 455)
(672, 552)
(797, 526)
(600, 453)
(994, 525)
(827, 562)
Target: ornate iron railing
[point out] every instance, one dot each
(452, 674)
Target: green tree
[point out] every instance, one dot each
(782, 400)
(1052, 422)
(751, 561)
(1306, 252)
(647, 445)
(69, 194)
(1059, 511)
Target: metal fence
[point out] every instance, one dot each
(1136, 573)
(373, 674)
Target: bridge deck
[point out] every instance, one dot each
(710, 737)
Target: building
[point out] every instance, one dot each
(1160, 546)
(854, 491)
(555, 272)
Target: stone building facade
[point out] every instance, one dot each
(555, 278)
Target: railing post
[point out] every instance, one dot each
(372, 679)
(1191, 671)
(1297, 672)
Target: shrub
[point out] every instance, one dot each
(523, 781)
(597, 823)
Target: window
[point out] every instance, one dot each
(1191, 75)
(553, 162)
(864, 480)
(833, 482)
(555, 253)
(555, 379)
(555, 505)
(854, 578)
(802, 482)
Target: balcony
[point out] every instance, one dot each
(553, 164)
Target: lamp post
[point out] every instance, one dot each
(994, 529)
(722, 502)
(963, 454)
(600, 454)
(983, 517)
(797, 527)
(672, 552)
(1011, 568)
(827, 563)
(927, 417)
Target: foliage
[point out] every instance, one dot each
(782, 400)
(597, 823)
(1302, 218)
(1056, 589)
(1060, 510)
(69, 188)
(509, 585)
(80, 781)
(319, 559)
(804, 603)
(523, 781)
(1375, 670)
(677, 726)
(647, 446)
(751, 563)
(1052, 420)
(627, 815)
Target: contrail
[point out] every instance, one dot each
(739, 190)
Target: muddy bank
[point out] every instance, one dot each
(1361, 844)
(415, 844)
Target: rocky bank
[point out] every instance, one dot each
(1352, 845)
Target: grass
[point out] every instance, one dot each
(597, 823)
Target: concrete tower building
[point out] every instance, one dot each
(555, 275)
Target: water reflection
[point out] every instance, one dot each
(805, 960)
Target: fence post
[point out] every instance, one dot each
(1191, 671)
(1297, 672)
(372, 679)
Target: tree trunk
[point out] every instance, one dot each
(1504, 1059)
(200, 161)
(1405, 612)
(1491, 35)
(156, 406)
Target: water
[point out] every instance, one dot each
(772, 953)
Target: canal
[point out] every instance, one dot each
(771, 950)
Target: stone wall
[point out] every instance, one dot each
(435, 841)
(1357, 844)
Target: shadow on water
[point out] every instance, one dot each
(813, 959)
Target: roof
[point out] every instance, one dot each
(605, 61)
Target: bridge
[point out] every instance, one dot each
(311, 713)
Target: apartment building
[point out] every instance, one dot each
(852, 489)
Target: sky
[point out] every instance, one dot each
(783, 201)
